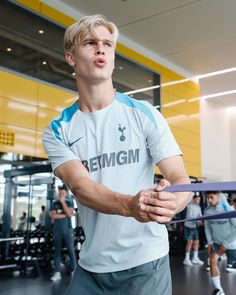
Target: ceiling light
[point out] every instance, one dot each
(216, 73)
(219, 94)
(175, 82)
(177, 118)
(194, 99)
(9, 49)
(73, 74)
(157, 86)
(212, 95)
(142, 89)
(166, 105)
(44, 62)
(41, 31)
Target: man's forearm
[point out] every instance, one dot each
(100, 198)
(67, 210)
(58, 216)
(183, 198)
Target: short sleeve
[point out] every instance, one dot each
(56, 149)
(159, 137)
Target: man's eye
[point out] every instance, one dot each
(91, 43)
(108, 44)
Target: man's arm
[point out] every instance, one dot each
(100, 198)
(174, 171)
(69, 212)
(91, 194)
(54, 215)
(208, 232)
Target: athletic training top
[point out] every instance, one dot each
(62, 223)
(221, 231)
(119, 145)
(192, 211)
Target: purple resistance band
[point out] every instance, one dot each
(204, 187)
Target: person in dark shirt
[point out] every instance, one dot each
(61, 212)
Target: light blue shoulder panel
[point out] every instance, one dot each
(133, 103)
(66, 116)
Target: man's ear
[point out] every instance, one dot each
(70, 58)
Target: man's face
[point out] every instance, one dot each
(213, 199)
(197, 200)
(93, 58)
(62, 194)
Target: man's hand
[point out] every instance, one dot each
(154, 205)
(210, 249)
(221, 250)
(62, 198)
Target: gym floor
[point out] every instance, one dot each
(193, 280)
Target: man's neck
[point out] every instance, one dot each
(95, 97)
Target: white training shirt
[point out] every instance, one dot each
(193, 210)
(221, 231)
(120, 145)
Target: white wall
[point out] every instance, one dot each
(218, 141)
(215, 143)
(232, 130)
(218, 128)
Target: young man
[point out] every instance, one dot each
(191, 232)
(22, 222)
(105, 148)
(61, 213)
(42, 216)
(221, 237)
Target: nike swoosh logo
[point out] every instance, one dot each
(73, 142)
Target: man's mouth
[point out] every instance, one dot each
(99, 62)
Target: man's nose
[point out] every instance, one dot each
(99, 52)
(100, 49)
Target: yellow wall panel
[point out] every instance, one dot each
(186, 138)
(24, 117)
(181, 108)
(44, 118)
(31, 4)
(17, 113)
(47, 11)
(193, 169)
(190, 125)
(55, 15)
(190, 154)
(180, 90)
(39, 150)
(55, 98)
(18, 89)
(24, 140)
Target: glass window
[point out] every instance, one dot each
(33, 45)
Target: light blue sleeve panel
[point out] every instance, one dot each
(54, 142)
(160, 140)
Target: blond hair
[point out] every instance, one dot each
(80, 30)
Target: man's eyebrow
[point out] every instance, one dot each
(93, 38)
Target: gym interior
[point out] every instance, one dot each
(190, 80)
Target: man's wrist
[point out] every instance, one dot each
(125, 205)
